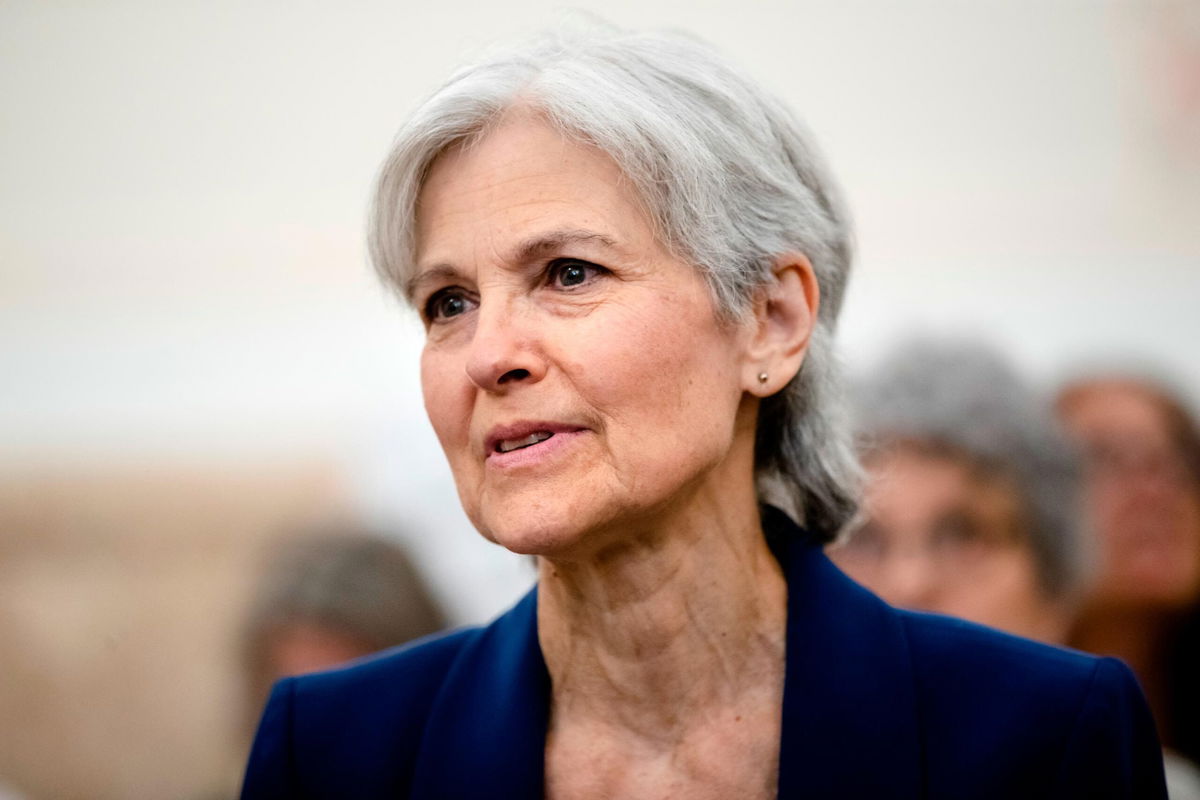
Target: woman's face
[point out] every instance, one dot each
(574, 370)
(1142, 504)
(941, 536)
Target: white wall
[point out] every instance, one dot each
(183, 187)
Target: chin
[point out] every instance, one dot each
(534, 537)
(553, 530)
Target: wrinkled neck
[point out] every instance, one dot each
(653, 633)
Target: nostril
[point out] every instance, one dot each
(514, 375)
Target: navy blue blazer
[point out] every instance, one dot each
(878, 703)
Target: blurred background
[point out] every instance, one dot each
(195, 358)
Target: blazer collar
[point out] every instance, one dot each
(849, 703)
(849, 708)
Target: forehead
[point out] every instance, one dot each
(1117, 410)
(911, 484)
(520, 180)
(903, 473)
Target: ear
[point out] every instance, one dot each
(785, 314)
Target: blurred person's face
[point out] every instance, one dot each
(1142, 504)
(574, 370)
(941, 536)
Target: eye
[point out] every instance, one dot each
(446, 304)
(567, 273)
(956, 530)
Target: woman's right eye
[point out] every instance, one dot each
(446, 304)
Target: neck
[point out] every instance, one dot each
(669, 628)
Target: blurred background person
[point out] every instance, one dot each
(329, 595)
(1142, 497)
(971, 492)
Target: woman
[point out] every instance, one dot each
(970, 504)
(629, 263)
(1142, 449)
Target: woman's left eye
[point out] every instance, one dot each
(570, 272)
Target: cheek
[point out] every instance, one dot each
(673, 382)
(446, 400)
(1006, 588)
(1191, 530)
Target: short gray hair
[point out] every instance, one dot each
(964, 398)
(730, 180)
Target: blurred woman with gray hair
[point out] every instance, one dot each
(972, 499)
(330, 593)
(629, 261)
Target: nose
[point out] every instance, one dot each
(504, 350)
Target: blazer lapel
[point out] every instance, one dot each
(486, 732)
(849, 707)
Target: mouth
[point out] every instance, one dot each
(508, 445)
(504, 442)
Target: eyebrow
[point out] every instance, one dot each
(436, 274)
(546, 243)
(530, 249)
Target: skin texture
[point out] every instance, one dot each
(549, 300)
(941, 536)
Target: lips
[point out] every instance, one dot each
(523, 435)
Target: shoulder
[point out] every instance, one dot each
(995, 704)
(352, 731)
(403, 675)
(946, 707)
(411, 721)
(956, 656)
(403, 679)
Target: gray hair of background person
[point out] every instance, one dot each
(965, 399)
(344, 578)
(726, 173)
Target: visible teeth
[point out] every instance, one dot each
(515, 444)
